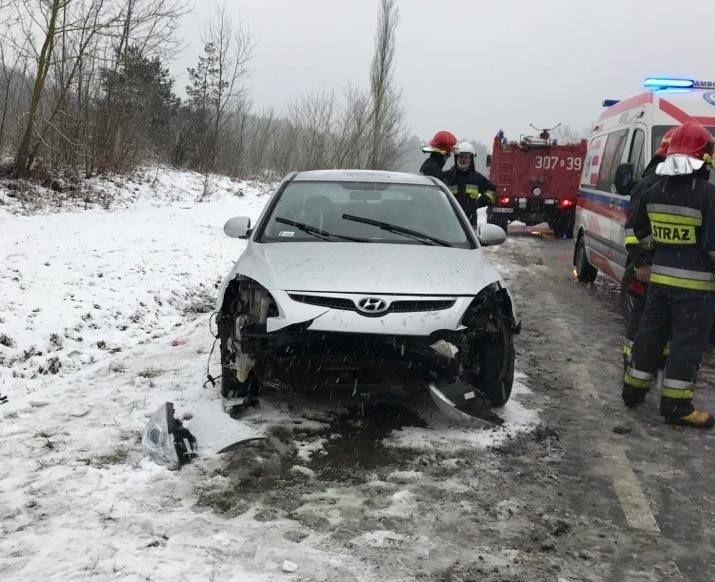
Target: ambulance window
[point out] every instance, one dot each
(612, 155)
(658, 133)
(636, 157)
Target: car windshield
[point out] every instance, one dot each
(409, 214)
(659, 132)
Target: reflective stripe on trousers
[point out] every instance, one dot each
(678, 388)
(683, 278)
(637, 379)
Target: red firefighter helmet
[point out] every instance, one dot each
(444, 141)
(662, 150)
(691, 139)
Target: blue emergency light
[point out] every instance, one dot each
(666, 83)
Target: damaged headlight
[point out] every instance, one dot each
(257, 302)
(166, 441)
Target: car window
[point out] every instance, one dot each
(637, 155)
(657, 135)
(612, 156)
(323, 205)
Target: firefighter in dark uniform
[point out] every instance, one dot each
(472, 189)
(640, 258)
(676, 217)
(439, 149)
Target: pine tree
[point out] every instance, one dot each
(139, 108)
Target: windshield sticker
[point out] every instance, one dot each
(710, 97)
(286, 233)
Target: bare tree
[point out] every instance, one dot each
(69, 29)
(387, 116)
(566, 134)
(352, 141)
(233, 51)
(313, 116)
(51, 12)
(12, 70)
(9, 68)
(84, 86)
(145, 32)
(151, 26)
(262, 133)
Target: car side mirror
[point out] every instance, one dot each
(238, 227)
(623, 182)
(489, 160)
(490, 235)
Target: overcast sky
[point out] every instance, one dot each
(473, 67)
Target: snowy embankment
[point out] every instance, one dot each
(104, 315)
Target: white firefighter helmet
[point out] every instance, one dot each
(465, 148)
(464, 155)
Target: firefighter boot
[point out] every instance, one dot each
(636, 385)
(681, 412)
(632, 397)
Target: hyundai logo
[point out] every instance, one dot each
(372, 306)
(710, 97)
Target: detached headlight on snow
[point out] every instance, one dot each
(166, 441)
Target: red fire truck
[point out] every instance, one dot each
(537, 181)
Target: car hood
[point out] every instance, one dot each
(366, 268)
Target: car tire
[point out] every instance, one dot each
(570, 224)
(585, 271)
(232, 387)
(496, 365)
(556, 228)
(562, 227)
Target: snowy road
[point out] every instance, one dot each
(639, 495)
(573, 488)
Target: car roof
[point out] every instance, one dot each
(363, 176)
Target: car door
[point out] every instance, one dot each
(634, 154)
(597, 203)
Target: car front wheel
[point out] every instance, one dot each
(496, 364)
(585, 271)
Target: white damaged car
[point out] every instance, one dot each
(365, 284)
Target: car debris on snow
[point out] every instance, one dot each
(289, 566)
(166, 441)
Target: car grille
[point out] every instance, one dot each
(421, 305)
(331, 302)
(415, 306)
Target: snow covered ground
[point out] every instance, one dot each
(104, 315)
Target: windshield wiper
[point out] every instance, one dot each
(317, 232)
(419, 236)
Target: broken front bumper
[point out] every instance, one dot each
(363, 363)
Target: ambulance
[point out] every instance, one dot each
(624, 140)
